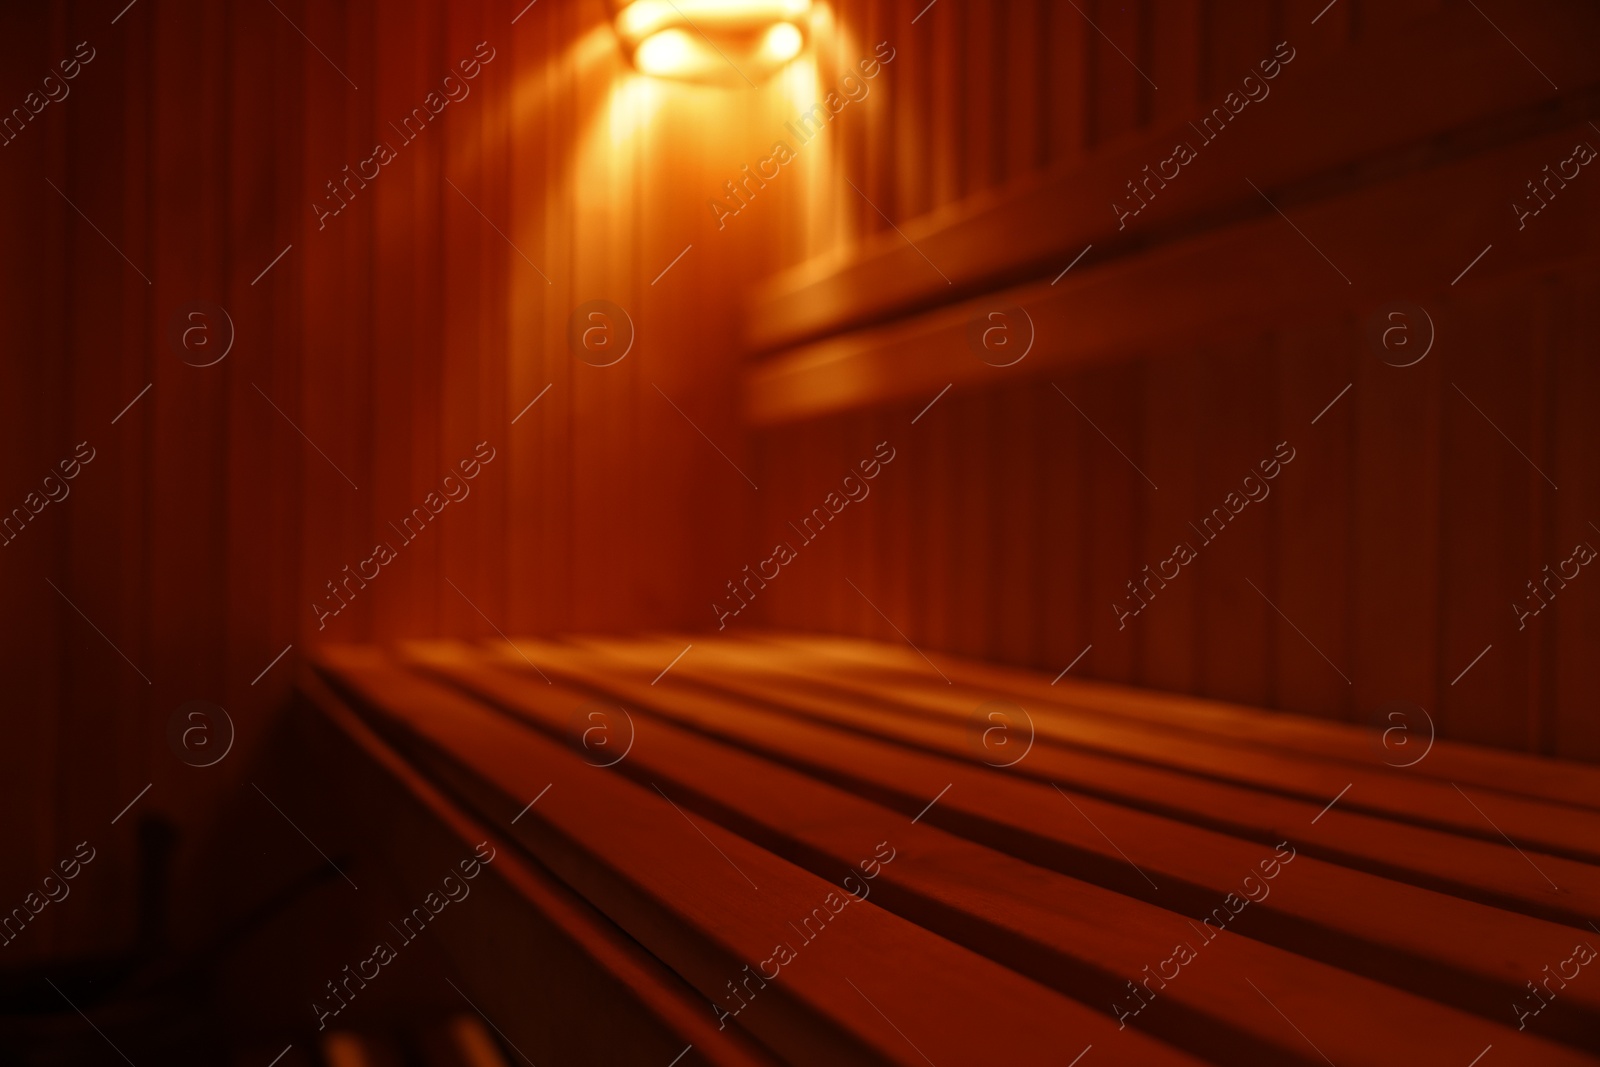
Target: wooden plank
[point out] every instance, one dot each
(1314, 503)
(1238, 36)
(584, 963)
(34, 409)
(1108, 402)
(910, 84)
(1481, 870)
(970, 508)
(1117, 61)
(1232, 526)
(979, 43)
(1484, 563)
(1020, 112)
(1554, 828)
(1014, 603)
(938, 451)
(894, 513)
(1066, 45)
(877, 124)
(526, 374)
(1397, 536)
(945, 90)
(1065, 560)
(1176, 46)
(624, 848)
(1101, 314)
(995, 238)
(1404, 935)
(1574, 689)
(1564, 782)
(185, 570)
(1375, 19)
(1333, 31)
(1167, 631)
(1062, 932)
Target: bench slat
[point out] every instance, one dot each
(1084, 940)
(1562, 781)
(1488, 871)
(1439, 946)
(1558, 829)
(631, 853)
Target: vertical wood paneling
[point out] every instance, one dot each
(36, 655)
(1331, 33)
(407, 329)
(933, 461)
(1541, 537)
(1067, 99)
(1064, 561)
(1175, 58)
(1235, 622)
(1174, 423)
(1395, 571)
(893, 515)
(1015, 512)
(1374, 17)
(1114, 509)
(1485, 563)
(1115, 72)
(981, 99)
(950, 117)
(1364, 538)
(1312, 502)
(911, 81)
(396, 336)
(971, 566)
(1019, 111)
(1574, 686)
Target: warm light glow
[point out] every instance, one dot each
(783, 42)
(642, 18)
(666, 53)
(725, 41)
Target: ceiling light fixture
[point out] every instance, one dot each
(723, 42)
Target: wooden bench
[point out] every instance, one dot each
(1154, 880)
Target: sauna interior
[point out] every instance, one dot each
(752, 532)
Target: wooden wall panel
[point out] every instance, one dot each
(910, 88)
(1234, 622)
(936, 458)
(1015, 535)
(1020, 116)
(1390, 541)
(983, 99)
(947, 78)
(40, 626)
(1238, 35)
(1064, 562)
(1174, 419)
(1175, 59)
(1572, 687)
(1066, 101)
(1313, 503)
(1395, 569)
(1117, 69)
(372, 351)
(1485, 562)
(389, 339)
(1115, 503)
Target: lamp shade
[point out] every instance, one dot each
(720, 42)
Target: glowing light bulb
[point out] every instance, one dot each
(726, 42)
(782, 42)
(665, 53)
